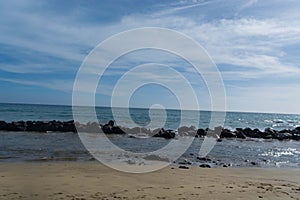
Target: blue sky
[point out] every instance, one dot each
(254, 43)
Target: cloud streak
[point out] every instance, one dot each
(256, 40)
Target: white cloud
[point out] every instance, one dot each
(264, 98)
(254, 47)
(243, 42)
(250, 43)
(61, 85)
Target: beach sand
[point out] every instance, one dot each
(91, 180)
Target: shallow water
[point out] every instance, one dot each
(25, 146)
(28, 146)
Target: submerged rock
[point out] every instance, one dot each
(205, 166)
(204, 159)
(183, 167)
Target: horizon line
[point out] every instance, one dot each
(105, 106)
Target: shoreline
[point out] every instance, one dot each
(73, 180)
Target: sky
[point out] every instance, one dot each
(255, 45)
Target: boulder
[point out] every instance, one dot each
(295, 137)
(239, 133)
(69, 126)
(248, 132)
(117, 130)
(205, 166)
(270, 131)
(167, 134)
(285, 131)
(226, 133)
(3, 126)
(185, 162)
(297, 130)
(183, 167)
(282, 136)
(203, 159)
(109, 128)
(19, 126)
(201, 132)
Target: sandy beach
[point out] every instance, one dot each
(91, 180)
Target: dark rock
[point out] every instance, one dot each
(239, 133)
(19, 126)
(205, 166)
(108, 128)
(267, 136)
(248, 132)
(204, 159)
(283, 136)
(167, 134)
(185, 162)
(297, 130)
(5, 157)
(3, 126)
(253, 163)
(270, 131)
(295, 137)
(285, 131)
(68, 126)
(227, 134)
(280, 135)
(183, 167)
(92, 159)
(258, 133)
(117, 130)
(201, 132)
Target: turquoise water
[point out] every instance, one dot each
(26, 146)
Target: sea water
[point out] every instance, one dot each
(28, 146)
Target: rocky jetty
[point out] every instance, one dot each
(110, 128)
(38, 126)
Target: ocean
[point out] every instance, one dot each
(56, 146)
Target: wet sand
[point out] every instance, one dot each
(91, 180)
